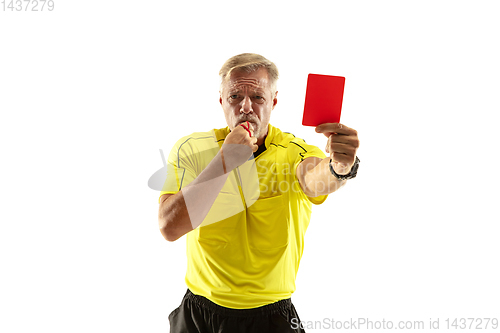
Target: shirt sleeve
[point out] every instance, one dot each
(302, 152)
(181, 167)
(187, 159)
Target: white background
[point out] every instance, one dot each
(91, 91)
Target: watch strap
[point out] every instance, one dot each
(350, 175)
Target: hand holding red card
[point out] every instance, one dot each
(322, 109)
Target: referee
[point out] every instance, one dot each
(243, 197)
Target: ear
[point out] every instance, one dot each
(220, 100)
(275, 100)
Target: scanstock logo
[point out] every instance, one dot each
(157, 180)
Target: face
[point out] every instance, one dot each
(248, 97)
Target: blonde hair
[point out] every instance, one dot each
(249, 62)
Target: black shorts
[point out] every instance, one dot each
(199, 314)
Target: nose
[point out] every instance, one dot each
(246, 105)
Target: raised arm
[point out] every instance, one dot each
(314, 173)
(185, 210)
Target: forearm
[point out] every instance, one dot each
(185, 210)
(320, 181)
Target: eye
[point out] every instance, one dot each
(233, 96)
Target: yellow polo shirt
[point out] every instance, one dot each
(247, 251)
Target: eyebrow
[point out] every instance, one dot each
(255, 91)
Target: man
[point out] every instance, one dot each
(243, 196)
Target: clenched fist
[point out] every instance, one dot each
(238, 146)
(342, 145)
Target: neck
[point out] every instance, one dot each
(261, 140)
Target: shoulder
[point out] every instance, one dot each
(196, 137)
(290, 141)
(296, 149)
(197, 141)
(194, 150)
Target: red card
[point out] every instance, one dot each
(323, 102)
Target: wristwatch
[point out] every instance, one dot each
(350, 175)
